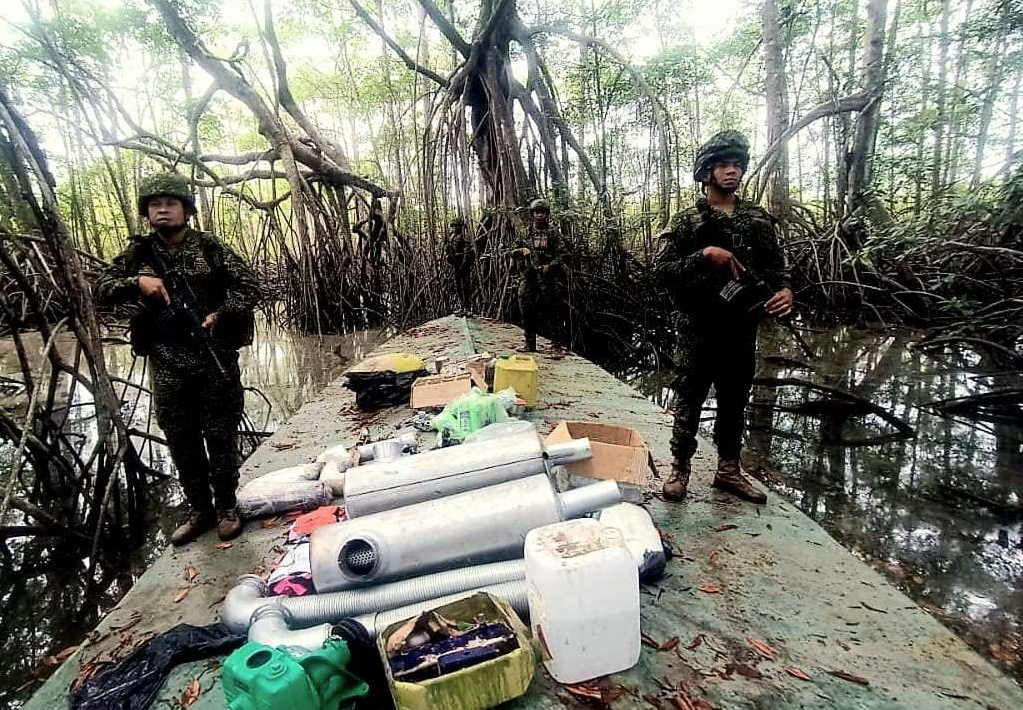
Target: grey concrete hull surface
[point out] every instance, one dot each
(780, 580)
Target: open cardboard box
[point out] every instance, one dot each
(439, 390)
(478, 372)
(619, 454)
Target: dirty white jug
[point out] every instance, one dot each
(583, 589)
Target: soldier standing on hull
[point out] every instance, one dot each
(723, 266)
(196, 384)
(461, 252)
(540, 258)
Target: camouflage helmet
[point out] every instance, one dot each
(166, 185)
(726, 145)
(540, 205)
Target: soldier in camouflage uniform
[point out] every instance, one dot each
(721, 241)
(540, 256)
(198, 406)
(462, 253)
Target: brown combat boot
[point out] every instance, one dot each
(229, 524)
(675, 488)
(729, 478)
(196, 523)
(529, 346)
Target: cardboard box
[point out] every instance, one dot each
(478, 372)
(619, 453)
(477, 687)
(439, 390)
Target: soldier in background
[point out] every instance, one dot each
(197, 391)
(721, 242)
(460, 251)
(541, 258)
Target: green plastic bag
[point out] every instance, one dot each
(470, 412)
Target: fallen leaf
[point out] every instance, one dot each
(224, 545)
(710, 589)
(270, 523)
(669, 644)
(850, 677)
(682, 702)
(872, 608)
(796, 673)
(63, 655)
(894, 570)
(646, 640)
(843, 644)
(722, 528)
(182, 593)
(609, 695)
(743, 670)
(191, 573)
(191, 693)
(697, 640)
(713, 559)
(585, 690)
(764, 650)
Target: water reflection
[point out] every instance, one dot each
(42, 586)
(940, 514)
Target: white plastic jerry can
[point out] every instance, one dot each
(583, 589)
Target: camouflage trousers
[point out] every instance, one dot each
(537, 300)
(725, 357)
(199, 411)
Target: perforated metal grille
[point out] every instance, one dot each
(358, 557)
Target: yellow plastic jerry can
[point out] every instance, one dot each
(520, 372)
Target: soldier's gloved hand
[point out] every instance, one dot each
(209, 321)
(152, 287)
(780, 304)
(724, 259)
(525, 251)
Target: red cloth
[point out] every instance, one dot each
(324, 515)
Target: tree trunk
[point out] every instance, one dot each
(1010, 143)
(777, 95)
(873, 83)
(941, 96)
(987, 110)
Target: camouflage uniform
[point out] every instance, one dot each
(538, 292)
(196, 406)
(717, 342)
(461, 252)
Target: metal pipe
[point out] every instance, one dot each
(386, 485)
(248, 596)
(474, 527)
(270, 625)
(388, 449)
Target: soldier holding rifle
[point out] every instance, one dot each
(196, 298)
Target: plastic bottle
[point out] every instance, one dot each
(583, 589)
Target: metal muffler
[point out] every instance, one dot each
(471, 528)
(386, 485)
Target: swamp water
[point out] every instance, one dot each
(940, 514)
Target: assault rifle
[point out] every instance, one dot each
(750, 292)
(181, 306)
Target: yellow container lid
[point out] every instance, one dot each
(517, 362)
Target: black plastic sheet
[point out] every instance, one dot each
(132, 683)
